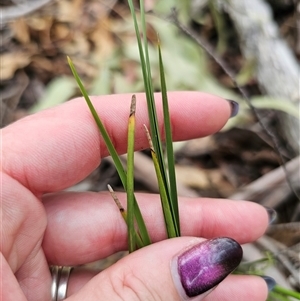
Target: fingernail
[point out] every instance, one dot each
(205, 265)
(270, 282)
(271, 213)
(234, 107)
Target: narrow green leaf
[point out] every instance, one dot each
(171, 229)
(169, 147)
(157, 141)
(124, 214)
(146, 70)
(286, 292)
(130, 177)
(142, 229)
(119, 167)
(100, 125)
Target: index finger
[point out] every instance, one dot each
(57, 148)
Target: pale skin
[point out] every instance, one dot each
(47, 152)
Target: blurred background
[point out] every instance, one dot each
(259, 43)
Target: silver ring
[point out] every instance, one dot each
(54, 274)
(59, 285)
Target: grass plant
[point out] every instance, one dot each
(137, 232)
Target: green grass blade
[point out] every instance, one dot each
(154, 128)
(169, 146)
(142, 229)
(123, 212)
(146, 70)
(148, 80)
(130, 177)
(119, 167)
(140, 46)
(286, 292)
(169, 221)
(151, 103)
(100, 125)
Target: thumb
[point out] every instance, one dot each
(175, 269)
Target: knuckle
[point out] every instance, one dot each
(129, 286)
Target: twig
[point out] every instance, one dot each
(259, 190)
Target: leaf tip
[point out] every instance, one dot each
(132, 105)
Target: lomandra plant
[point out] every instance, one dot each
(138, 235)
(164, 165)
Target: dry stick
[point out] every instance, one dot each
(259, 190)
(208, 49)
(118, 203)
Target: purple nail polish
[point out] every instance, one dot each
(271, 213)
(270, 282)
(206, 264)
(234, 107)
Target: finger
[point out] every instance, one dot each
(34, 277)
(240, 288)
(162, 272)
(57, 148)
(250, 287)
(23, 222)
(9, 283)
(83, 227)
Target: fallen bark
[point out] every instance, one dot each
(278, 71)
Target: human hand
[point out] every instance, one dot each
(41, 226)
